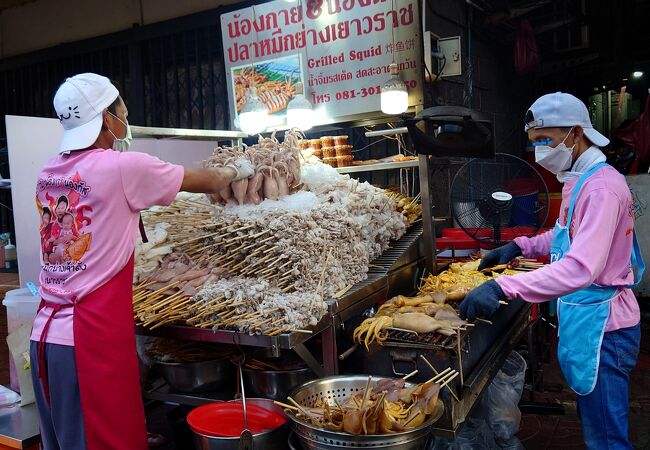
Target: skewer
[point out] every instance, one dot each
(478, 319)
(258, 324)
(365, 394)
(433, 369)
(459, 351)
(343, 291)
(448, 380)
(406, 377)
(278, 331)
(284, 405)
(293, 330)
(196, 239)
(440, 375)
(302, 410)
(288, 288)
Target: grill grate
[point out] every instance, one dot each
(389, 258)
(433, 341)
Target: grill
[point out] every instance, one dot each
(476, 353)
(429, 341)
(401, 252)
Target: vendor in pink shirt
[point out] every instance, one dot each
(83, 354)
(595, 261)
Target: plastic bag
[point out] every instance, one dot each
(18, 343)
(637, 134)
(475, 434)
(8, 397)
(500, 403)
(527, 54)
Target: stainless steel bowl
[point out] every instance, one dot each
(275, 384)
(269, 440)
(272, 440)
(197, 376)
(340, 388)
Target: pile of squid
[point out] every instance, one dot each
(277, 170)
(422, 315)
(388, 407)
(454, 284)
(285, 256)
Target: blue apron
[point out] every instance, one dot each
(583, 314)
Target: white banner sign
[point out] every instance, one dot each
(339, 49)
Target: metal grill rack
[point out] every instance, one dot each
(398, 266)
(429, 341)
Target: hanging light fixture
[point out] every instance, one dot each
(254, 117)
(300, 113)
(394, 93)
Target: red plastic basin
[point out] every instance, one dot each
(226, 419)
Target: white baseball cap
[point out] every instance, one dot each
(560, 110)
(79, 103)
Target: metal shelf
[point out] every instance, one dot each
(188, 133)
(360, 297)
(379, 166)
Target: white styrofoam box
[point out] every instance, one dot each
(21, 308)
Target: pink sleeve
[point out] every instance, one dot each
(535, 246)
(598, 216)
(148, 181)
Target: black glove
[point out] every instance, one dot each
(482, 301)
(501, 255)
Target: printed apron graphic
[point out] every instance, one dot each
(64, 219)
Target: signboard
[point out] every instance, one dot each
(339, 49)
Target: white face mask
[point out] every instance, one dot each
(121, 145)
(555, 159)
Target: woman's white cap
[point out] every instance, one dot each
(79, 103)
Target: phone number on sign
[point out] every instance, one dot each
(366, 91)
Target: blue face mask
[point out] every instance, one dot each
(123, 144)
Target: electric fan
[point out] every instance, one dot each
(496, 200)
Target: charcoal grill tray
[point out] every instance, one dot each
(428, 341)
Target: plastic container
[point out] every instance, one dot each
(10, 255)
(21, 309)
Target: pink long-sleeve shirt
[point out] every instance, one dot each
(601, 245)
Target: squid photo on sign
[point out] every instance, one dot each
(275, 82)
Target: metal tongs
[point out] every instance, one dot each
(246, 437)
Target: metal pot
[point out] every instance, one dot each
(197, 376)
(269, 440)
(275, 384)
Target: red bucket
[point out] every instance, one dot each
(226, 419)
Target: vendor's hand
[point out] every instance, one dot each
(482, 301)
(243, 168)
(501, 255)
